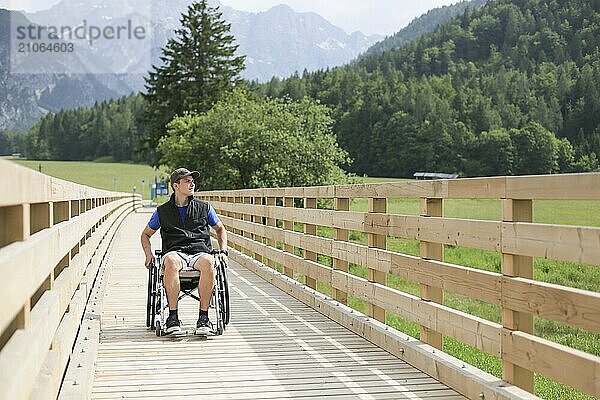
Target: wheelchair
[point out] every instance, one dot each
(157, 309)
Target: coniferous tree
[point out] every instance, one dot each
(199, 68)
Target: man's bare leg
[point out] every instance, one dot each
(172, 265)
(204, 264)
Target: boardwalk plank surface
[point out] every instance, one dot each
(274, 347)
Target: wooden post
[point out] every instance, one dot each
(340, 204)
(271, 222)
(432, 251)
(247, 217)
(257, 220)
(310, 229)
(377, 205)
(16, 225)
(237, 200)
(288, 225)
(521, 266)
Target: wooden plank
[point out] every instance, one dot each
(456, 232)
(49, 379)
(23, 355)
(34, 187)
(568, 243)
(573, 367)
(340, 219)
(432, 188)
(476, 188)
(575, 307)
(558, 187)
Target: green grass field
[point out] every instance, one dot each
(110, 176)
(101, 175)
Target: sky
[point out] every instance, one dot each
(383, 17)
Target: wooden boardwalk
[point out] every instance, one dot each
(275, 346)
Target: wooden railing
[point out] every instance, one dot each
(252, 217)
(53, 237)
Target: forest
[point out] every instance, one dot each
(508, 88)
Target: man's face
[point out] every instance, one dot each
(185, 186)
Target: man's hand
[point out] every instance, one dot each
(149, 260)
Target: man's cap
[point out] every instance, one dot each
(182, 173)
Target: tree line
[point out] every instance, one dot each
(435, 103)
(510, 88)
(112, 130)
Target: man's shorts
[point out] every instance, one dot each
(187, 260)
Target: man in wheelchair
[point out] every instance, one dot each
(185, 224)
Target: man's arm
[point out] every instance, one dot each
(145, 239)
(221, 236)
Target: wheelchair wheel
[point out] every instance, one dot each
(158, 330)
(224, 294)
(155, 304)
(149, 310)
(220, 326)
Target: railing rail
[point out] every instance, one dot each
(51, 232)
(515, 237)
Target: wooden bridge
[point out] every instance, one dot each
(73, 292)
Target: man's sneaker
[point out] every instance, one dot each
(173, 325)
(203, 325)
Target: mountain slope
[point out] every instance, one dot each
(280, 41)
(24, 98)
(277, 42)
(426, 23)
(510, 88)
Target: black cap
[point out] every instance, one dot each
(182, 173)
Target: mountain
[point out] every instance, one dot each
(277, 42)
(25, 97)
(426, 23)
(280, 41)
